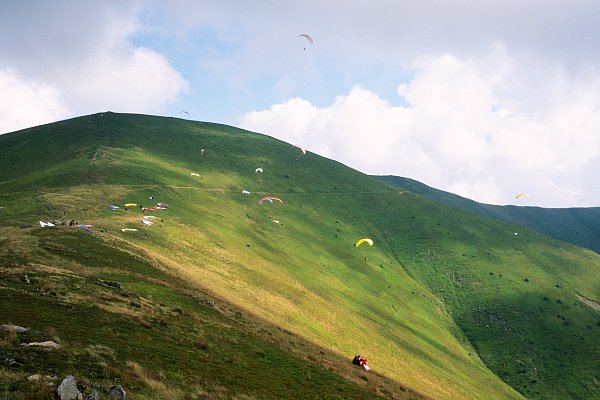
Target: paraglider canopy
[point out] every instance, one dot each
(245, 192)
(258, 170)
(270, 199)
(361, 241)
(301, 148)
(307, 36)
(521, 195)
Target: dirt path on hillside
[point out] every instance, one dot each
(595, 305)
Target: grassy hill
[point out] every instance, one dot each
(224, 297)
(580, 226)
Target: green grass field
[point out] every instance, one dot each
(446, 304)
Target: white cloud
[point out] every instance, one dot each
(83, 54)
(484, 128)
(25, 103)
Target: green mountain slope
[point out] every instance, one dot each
(580, 226)
(445, 304)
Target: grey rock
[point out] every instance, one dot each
(12, 328)
(13, 362)
(49, 344)
(117, 392)
(67, 390)
(92, 396)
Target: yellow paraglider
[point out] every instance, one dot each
(361, 241)
(521, 195)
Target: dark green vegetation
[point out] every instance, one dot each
(580, 226)
(446, 304)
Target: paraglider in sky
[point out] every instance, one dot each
(302, 149)
(361, 241)
(194, 174)
(257, 170)
(308, 37)
(521, 195)
(269, 199)
(245, 192)
(184, 112)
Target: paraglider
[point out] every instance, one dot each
(184, 112)
(128, 230)
(270, 200)
(146, 222)
(113, 208)
(86, 227)
(301, 148)
(245, 192)
(308, 37)
(361, 241)
(46, 224)
(201, 152)
(194, 174)
(257, 170)
(130, 205)
(521, 195)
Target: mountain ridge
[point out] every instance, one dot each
(577, 225)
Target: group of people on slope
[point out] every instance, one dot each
(361, 362)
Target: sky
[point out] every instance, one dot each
(485, 99)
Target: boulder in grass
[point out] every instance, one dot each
(92, 396)
(49, 344)
(117, 392)
(67, 390)
(12, 328)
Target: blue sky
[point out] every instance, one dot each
(483, 99)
